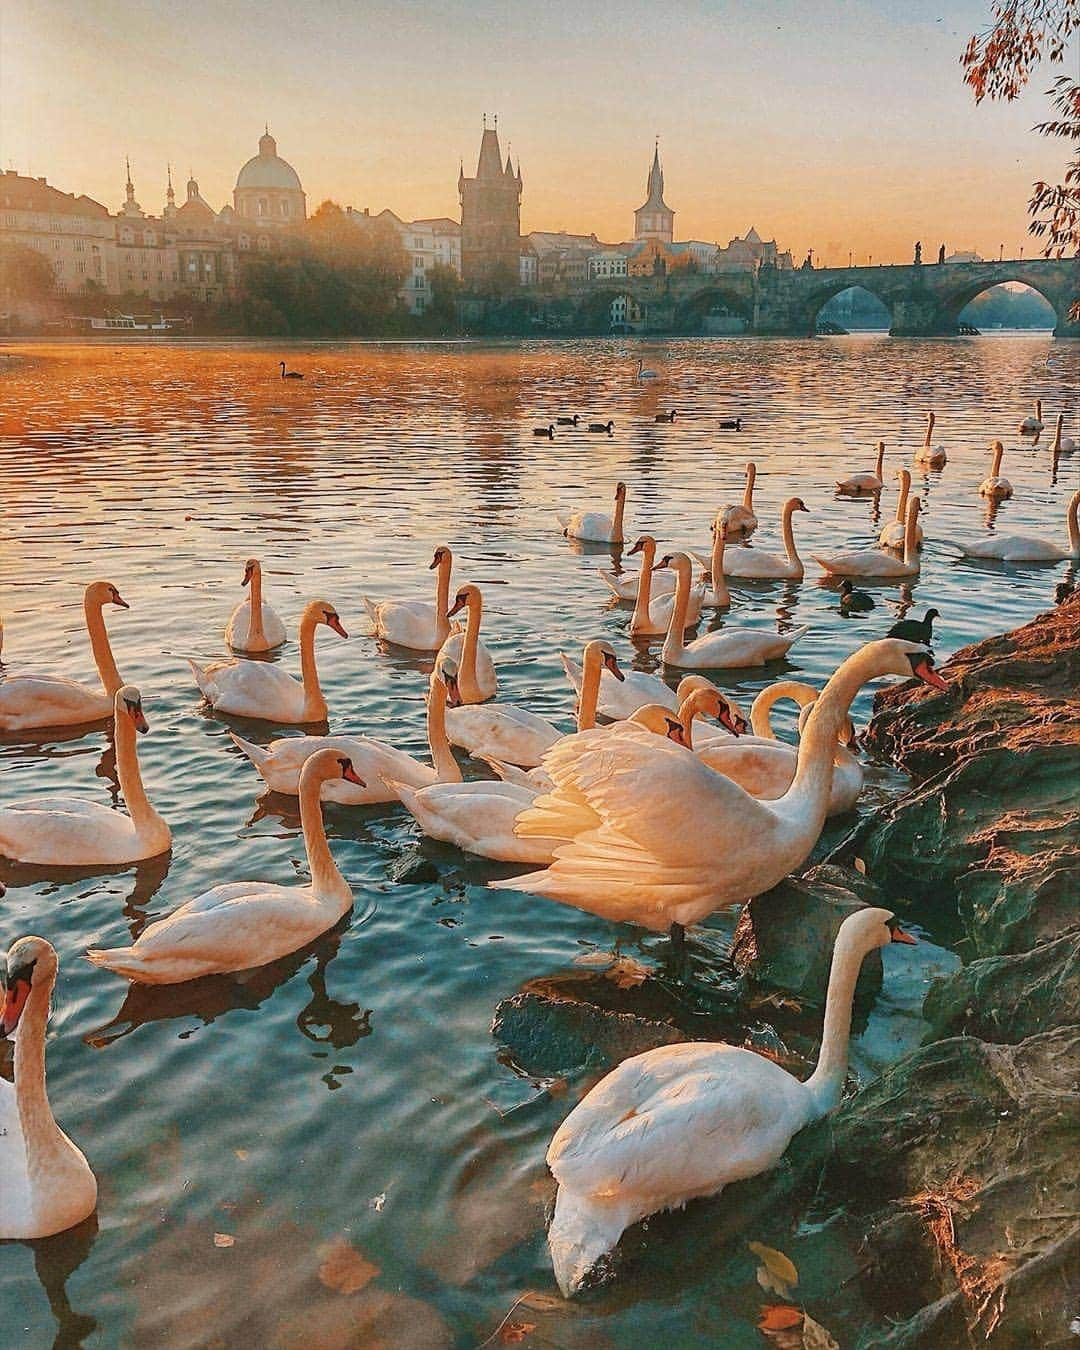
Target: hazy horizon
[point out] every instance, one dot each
(849, 128)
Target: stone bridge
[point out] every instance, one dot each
(923, 300)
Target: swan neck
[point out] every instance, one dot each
(314, 703)
(901, 501)
(617, 517)
(442, 757)
(929, 432)
(101, 648)
(256, 632)
(644, 590)
(470, 642)
(1074, 525)
(327, 883)
(788, 532)
(762, 706)
(748, 491)
(827, 1080)
(41, 1134)
(721, 594)
(995, 470)
(143, 816)
(442, 598)
(880, 458)
(807, 799)
(673, 643)
(911, 542)
(592, 672)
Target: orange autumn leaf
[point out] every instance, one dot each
(343, 1269)
(224, 1240)
(515, 1331)
(779, 1317)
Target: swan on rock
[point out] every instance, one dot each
(415, 624)
(254, 626)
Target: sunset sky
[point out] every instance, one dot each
(833, 125)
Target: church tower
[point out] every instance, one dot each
(491, 218)
(655, 220)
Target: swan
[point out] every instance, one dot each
(643, 373)
(280, 763)
(683, 1121)
(414, 623)
(718, 597)
(477, 817)
(1025, 547)
(1063, 445)
(55, 701)
(853, 601)
(892, 534)
(741, 522)
(875, 562)
(653, 616)
(619, 699)
(995, 487)
(253, 626)
(289, 374)
(930, 457)
(728, 649)
(916, 630)
(1032, 424)
(745, 562)
(258, 689)
(46, 1184)
(75, 832)
(864, 484)
(593, 527)
(642, 830)
(476, 678)
(244, 924)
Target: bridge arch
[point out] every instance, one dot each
(962, 295)
(690, 313)
(819, 296)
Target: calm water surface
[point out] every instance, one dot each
(355, 1092)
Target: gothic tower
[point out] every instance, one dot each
(655, 220)
(490, 219)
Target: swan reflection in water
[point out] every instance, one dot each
(55, 1260)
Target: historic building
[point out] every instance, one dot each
(268, 189)
(491, 219)
(75, 233)
(655, 219)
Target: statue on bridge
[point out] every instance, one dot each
(808, 262)
(941, 254)
(918, 252)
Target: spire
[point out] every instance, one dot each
(131, 207)
(170, 195)
(490, 163)
(129, 186)
(655, 188)
(267, 144)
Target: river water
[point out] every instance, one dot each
(355, 1095)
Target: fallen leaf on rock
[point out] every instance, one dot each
(515, 1331)
(779, 1316)
(343, 1269)
(627, 973)
(224, 1240)
(776, 1271)
(815, 1337)
(594, 959)
(859, 866)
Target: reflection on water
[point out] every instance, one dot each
(353, 1091)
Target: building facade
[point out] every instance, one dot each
(75, 234)
(491, 219)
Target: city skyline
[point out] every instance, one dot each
(853, 162)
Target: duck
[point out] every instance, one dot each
(548, 431)
(740, 521)
(916, 630)
(995, 487)
(48, 1186)
(730, 424)
(892, 534)
(241, 925)
(1032, 424)
(593, 527)
(683, 1121)
(864, 484)
(643, 372)
(289, 374)
(75, 832)
(853, 601)
(731, 648)
(666, 417)
(259, 690)
(1063, 445)
(254, 626)
(601, 428)
(640, 831)
(930, 457)
(568, 421)
(750, 563)
(476, 677)
(415, 624)
(1020, 548)
(280, 763)
(31, 701)
(875, 562)
(652, 614)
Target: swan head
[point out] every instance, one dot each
(328, 764)
(447, 675)
(251, 568)
(797, 504)
(706, 700)
(661, 722)
(895, 656)
(620, 488)
(101, 593)
(322, 611)
(127, 702)
(31, 962)
(603, 653)
(441, 555)
(868, 929)
(642, 545)
(678, 562)
(466, 598)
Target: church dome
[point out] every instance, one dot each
(268, 170)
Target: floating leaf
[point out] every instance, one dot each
(779, 1316)
(343, 1269)
(776, 1271)
(859, 866)
(541, 1302)
(594, 958)
(224, 1240)
(241, 1153)
(815, 1337)
(515, 1331)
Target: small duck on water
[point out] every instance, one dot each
(916, 630)
(853, 601)
(666, 417)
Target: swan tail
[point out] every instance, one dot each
(610, 581)
(582, 1231)
(123, 961)
(796, 634)
(573, 671)
(509, 773)
(372, 610)
(702, 562)
(258, 754)
(200, 676)
(409, 800)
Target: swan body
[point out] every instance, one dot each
(641, 821)
(254, 626)
(28, 701)
(74, 832)
(501, 731)
(875, 562)
(745, 562)
(1063, 445)
(244, 924)
(260, 690)
(475, 670)
(995, 487)
(1026, 548)
(1032, 424)
(620, 699)
(593, 527)
(414, 623)
(740, 521)
(928, 456)
(652, 615)
(643, 373)
(46, 1184)
(892, 534)
(864, 484)
(624, 585)
(289, 374)
(683, 1121)
(477, 817)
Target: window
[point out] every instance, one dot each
(57, 244)
(264, 241)
(263, 206)
(58, 266)
(419, 263)
(244, 241)
(284, 208)
(148, 239)
(79, 245)
(80, 266)
(146, 276)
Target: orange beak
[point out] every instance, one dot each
(335, 623)
(351, 776)
(926, 672)
(453, 694)
(118, 601)
(139, 718)
(898, 935)
(14, 1002)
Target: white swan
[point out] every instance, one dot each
(280, 763)
(620, 699)
(995, 487)
(261, 690)
(253, 626)
(1063, 445)
(1025, 547)
(641, 830)
(76, 832)
(892, 534)
(652, 615)
(624, 585)
(477, 817)
(1032, 424)
(746, 562)
(476, 678)
(717, 595)
(683, 1121)
(593, 527)
(740, 521)
(643, 373)
(244, 924)
(728, 649)
(864, 484)
(46, 1184)
(928, 456)
(414, 623)
(875, 562)
(55, 701)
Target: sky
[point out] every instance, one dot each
(841, 125)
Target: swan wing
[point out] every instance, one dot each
(253, 689)
(50, 700)
(503, 731)
(68, 831)
(408, 623)
(238, 629)
(744, 562)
